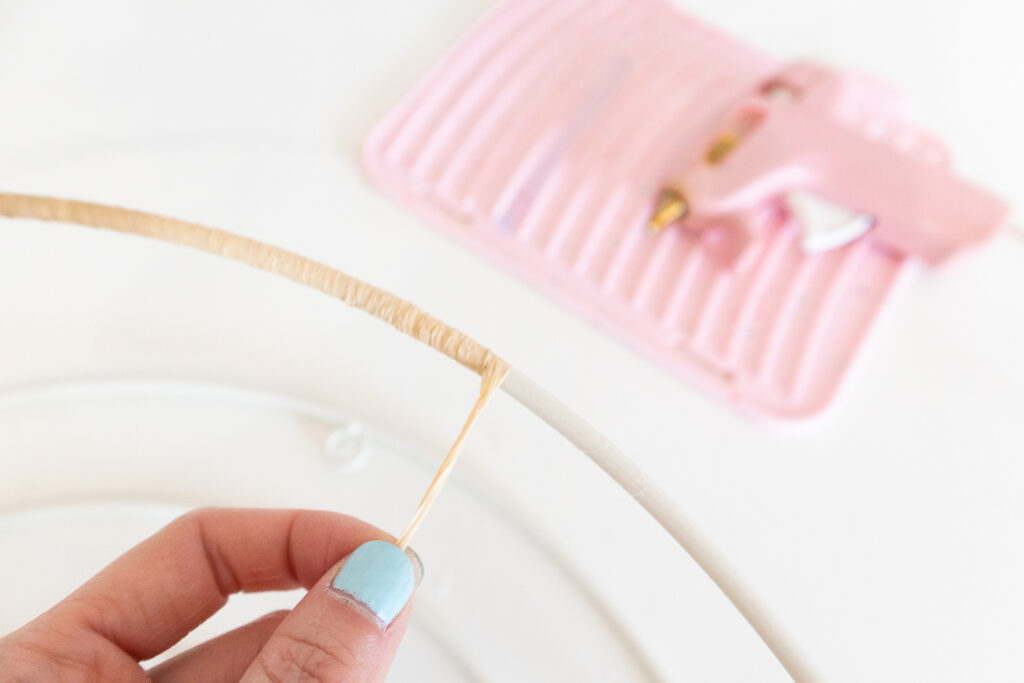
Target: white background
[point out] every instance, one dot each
(887, 536)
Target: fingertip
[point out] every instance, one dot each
(349, 626)
(276, 615)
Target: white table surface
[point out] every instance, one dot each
(887, 536)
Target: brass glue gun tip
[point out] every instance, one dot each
(671, 206)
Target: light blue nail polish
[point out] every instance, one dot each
(379, 576)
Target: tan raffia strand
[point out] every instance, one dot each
(397, 312)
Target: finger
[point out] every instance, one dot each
(348, 627)
(225, 658)
(158, 591)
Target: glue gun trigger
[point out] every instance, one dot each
(825, 224)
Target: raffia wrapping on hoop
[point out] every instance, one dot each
(400, 314)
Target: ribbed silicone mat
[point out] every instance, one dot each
(542, 140)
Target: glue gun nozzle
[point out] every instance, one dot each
(671, 207)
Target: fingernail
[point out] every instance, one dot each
(380, 577)
(417, 564)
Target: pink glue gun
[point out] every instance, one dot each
(810, 136)
(558, 135)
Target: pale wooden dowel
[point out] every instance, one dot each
(663, 509)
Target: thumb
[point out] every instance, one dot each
(349, 625)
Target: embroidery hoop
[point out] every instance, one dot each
(495, 373)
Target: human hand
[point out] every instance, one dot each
(346, 628)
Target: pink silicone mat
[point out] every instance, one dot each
(542, 139)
